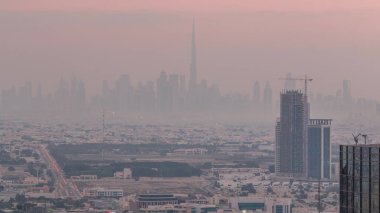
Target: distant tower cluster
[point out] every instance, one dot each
(346, 91)
(68, 98)
(289, 83)
(262, 98)
(303, 147)
(267, 99)
(169, 93)
(256, 93)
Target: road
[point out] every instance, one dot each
(64, 188)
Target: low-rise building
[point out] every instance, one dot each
(103, 192)
(145, 200)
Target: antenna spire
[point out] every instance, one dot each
(193, 62)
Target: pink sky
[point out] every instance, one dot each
(190, 5)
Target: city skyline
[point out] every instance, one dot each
(170, 92)
(212, 106)
(241, 48)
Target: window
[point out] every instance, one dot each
(365, 204)
(374, 187)
(343, 198)
(375, 170)
(365, 153)
(365, 169)
(356, 153)
(374, 152)
(356, 168)
(365, 186)
(375, 203)
(357, 203)
(350, 199)
(357, 185)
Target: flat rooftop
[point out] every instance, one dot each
(362, 145)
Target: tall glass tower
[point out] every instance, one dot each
(319, 149)
(359, 178)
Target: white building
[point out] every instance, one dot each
(102, 192)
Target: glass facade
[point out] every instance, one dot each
(281, 209)
(251, 206)
(314, 152)
(359, 179)
(319, 149)
(326, 153)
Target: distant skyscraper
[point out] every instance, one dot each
(62, 93)
(164, 93)
(174, 87)
(39, 91)
(150, 95)
(267, 97)
(193, 64)
(359, 178)
(81, 95)
(105, 89)
(182, 84)
(124, 92)
(291, 132)
(289, 83)
(256, 93)
(319, 149)
(346, 91)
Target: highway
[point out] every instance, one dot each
(63, 188)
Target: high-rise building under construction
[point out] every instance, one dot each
(303, 147)
(291, 134)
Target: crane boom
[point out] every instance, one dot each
(306, 80)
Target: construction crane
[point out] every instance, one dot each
(306, 80)
(365, 138)
(356, 138)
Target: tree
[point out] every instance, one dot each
(20, 198)
(5, 205)
(270, 190)
(26, 153)
(271, 168)
(59, 203)
(36, 156)
(249, 188)
(302, 195)
(191, 196)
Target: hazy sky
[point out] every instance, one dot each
(238, 41)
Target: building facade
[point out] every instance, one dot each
(319, 149)
(146, 200)
(291, 135)
(359, 178)
(104, 192)
(282, 207)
